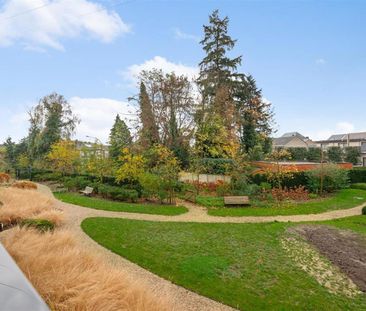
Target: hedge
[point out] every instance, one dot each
(357, 175)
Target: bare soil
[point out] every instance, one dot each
(343, 248)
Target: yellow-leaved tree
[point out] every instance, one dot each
(132, 166)
(64, 156)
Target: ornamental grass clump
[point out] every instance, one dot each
(24, 185)
(69, 277)
(4, 178)
(18, 205)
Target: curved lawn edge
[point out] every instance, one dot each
(344, 199)
(170, 250)
(114, 206)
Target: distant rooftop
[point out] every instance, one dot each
(293, 134)
(350, 136)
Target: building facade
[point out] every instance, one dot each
(347, 140)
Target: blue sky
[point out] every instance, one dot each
(309, 57)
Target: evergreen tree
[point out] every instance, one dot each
(119, 138)
(10, 153)
(217, 69)
(149, 134)
(255, 116)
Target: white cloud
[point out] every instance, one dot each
(320, 61)
(54, 20)
(345, 127)
(97, 115)
(342, 127)
(179, 34)
(162, 63)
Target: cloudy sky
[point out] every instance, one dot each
(309, 57)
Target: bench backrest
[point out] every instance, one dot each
(236, 200)
(88, 190)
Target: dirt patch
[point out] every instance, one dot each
(345, 249)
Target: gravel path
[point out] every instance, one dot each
(180, 298)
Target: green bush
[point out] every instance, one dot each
(298, 153)
(42, 225)
(214, 166)
(117, 193)
(335, 154)
(357, 175)
(314, 154)
(364, 210)
(334, 178)
(352, 154)
(361, 186)
(47, 176)
(297, 179)
(76, 183)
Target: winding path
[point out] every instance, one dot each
(179, 297)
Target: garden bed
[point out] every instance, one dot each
(108, 205)
(345, 249)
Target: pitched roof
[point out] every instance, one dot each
(351, 136)
(282, 141)
(293, 134)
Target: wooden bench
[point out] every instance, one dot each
(236, 200)
(87, 191)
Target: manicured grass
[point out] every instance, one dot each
(242, 265)
(355, 223)
(346, 198)
(210, 201)
(108, 205)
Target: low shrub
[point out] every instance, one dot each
(361, 186)
(41, 225)
(209, 187)
(24, 185)
(296, 194)
(364, 210)
(56, 176)
(334, 178)
(117, 193)
(76, 183)
(295, 180)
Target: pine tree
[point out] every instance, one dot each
(119, 138)
(216, 69)
(149, 134)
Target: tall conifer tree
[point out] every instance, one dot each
(119, 138)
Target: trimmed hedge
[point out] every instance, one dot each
(361, 186)
(357, 175)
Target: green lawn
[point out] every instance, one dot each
(115, 206)
(241, 265)
(346, 198)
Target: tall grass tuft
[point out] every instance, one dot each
(70, 278)
(18, 205)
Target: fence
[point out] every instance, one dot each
(209, 178)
